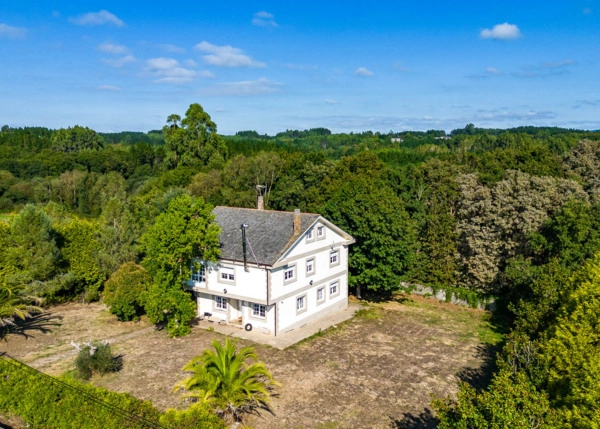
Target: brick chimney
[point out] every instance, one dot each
(297, 222)
(260, 204)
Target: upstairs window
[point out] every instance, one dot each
(289, 274)
(310, 266)
(199, 273)
(310, 235)
(320, 231)
(227, 274)
(334, 257)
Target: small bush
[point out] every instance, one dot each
(96, 358)
(123, 289)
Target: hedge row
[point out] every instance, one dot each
(59, 403)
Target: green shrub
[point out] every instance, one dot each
(96, 358)
(123, 289)
(46, 402)
(197, 416)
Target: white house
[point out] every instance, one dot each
(277, 270)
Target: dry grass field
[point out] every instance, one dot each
(377, 370)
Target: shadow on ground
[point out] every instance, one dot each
(423, 420)
(480, 377)
(40, 323)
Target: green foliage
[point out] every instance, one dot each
(199, 415)
(124, 289)
(224, 379)
(194, 140)
(494, 223)
(80, 251)
(186, 230)
(46, 402)
(76, 139)
(511, 402)
(572, 350)
(96, 357)
(383, 254)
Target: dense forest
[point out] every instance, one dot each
(511, 215)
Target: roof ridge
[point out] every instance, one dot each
(266, 211)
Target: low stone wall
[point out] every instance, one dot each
(440, 295)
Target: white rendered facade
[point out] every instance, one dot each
(309, 280)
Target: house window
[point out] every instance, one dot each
(321, 294)
(310, 235)
(334, 288)
(334, 257)
(289, 274)
(310, 266)
(220, 303)
(199, 273)
(301, 304)
(259, 310)
(227, 274)
(320, 231)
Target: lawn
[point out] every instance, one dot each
(376, 370)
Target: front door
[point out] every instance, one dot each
(235, 311)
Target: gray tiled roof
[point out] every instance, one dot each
(269, 232)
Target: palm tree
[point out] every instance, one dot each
(223, 379)
(14, 304)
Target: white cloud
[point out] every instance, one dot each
(12, 32)
(168, 70)
(493, 71)
(97, 18)
(109, 88)
(264, 19)
(119, 62)
(245, 88)
(501, 32)
(171, 49)
(111, 48)
(330, 101)
(226, 56)
(362, 71)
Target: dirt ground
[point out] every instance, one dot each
(377, 370)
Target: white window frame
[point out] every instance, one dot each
(301, 299)
(259, 311)
(310, 262)
(334, 254)
(320, 232)
(310, 235)
(289, 274)
(220, 303)
(199, 275)
(322, 299)
(229, 272)
(334, 284)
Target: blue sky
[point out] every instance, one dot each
(272, 65)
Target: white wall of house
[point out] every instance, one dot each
(310, 279)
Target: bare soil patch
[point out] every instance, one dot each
(377, 370)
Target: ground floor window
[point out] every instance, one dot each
(221, 303)
(321, 294)
(334, 288)
(301, 303)
(259, 310)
